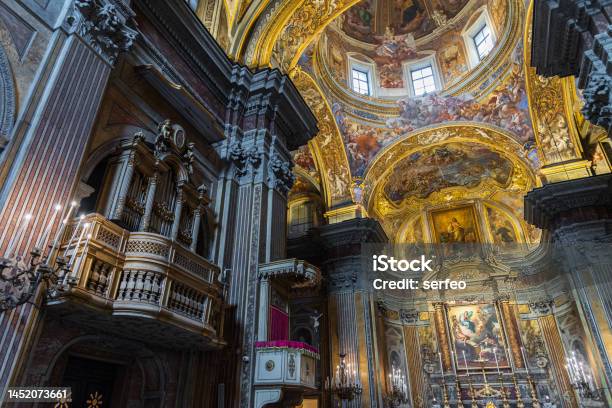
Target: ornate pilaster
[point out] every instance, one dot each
(514, 338)
(68, 90)
(418, 386)
(543, 309)
(350, 302)
(578, 215)
(263, 309)
(442, 335)
(265, 119)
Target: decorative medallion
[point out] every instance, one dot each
(269, 365)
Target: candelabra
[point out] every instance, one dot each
(19, 280)
(19, 277)
(505, 402)
(459, 395)
(581, 380)
(344, 385)
(535, 402)
(398, 393)
(517, 390)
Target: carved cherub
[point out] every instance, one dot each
(164, 135)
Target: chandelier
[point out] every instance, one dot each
(20, 274)
(398, 393)
(344, 385)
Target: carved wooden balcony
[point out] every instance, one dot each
(139, 285)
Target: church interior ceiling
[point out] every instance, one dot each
(318, 42)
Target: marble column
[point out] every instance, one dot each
(442, 335)
(578, 216)
(510, 325)
(556, 352)
(418, 386)
(351, 320)
(50, 140)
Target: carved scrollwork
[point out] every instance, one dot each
(541, 307)
(7, 99)
(189, 157)
(16, 282)
(245, 159)
(598, 99)
(280, 174)
(104, 27)
(164, 137)
(409, 316)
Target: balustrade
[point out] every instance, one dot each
(140, 274)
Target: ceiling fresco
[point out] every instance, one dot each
(389, 33)
(505, 107)
(370, 20)
(465, 165)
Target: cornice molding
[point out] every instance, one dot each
(581, 199)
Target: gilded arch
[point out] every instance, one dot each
(394, 213)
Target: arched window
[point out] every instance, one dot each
(301, 217)
(479, 38)
(96, 182)
(362, 75)
(423, 76)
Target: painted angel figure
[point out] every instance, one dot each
(391, 44)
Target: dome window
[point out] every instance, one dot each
(361, 81)
(423, 80)
(483, 40)
(479, 38)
